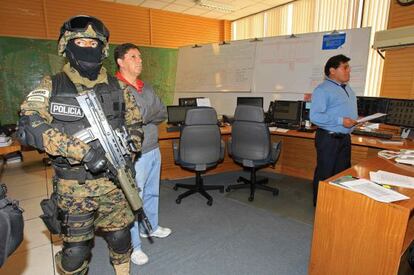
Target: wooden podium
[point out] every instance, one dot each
(354, 234)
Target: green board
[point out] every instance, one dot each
(23, 63)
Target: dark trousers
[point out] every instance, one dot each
(333, 153)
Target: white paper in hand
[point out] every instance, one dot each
(371, 117)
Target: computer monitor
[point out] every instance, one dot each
(286, 112)
(371, 105)
(400, 113)
(176, 114)
(188, 101)
(253, 101)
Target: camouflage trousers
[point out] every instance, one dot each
(107, 202)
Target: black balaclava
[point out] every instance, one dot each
(87, 61)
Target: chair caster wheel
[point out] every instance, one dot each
(177, 201)
(228, 189)
(239, 180)
(175, 187)
(251, 198)
(209, 203)
(275, 193)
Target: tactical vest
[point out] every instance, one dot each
(68, 116)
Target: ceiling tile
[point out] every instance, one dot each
(130, 2)
(255, 8)
(274, 3)
(235, 15)
(196, 11)
(224, 1)
(153, 4)
(239, 4)
(167, 1)
(213, 14)
(175, 8)
(188, 3)
(230, 16)
(243, 7)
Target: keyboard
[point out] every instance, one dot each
(307, 130)
(173, 129)
(372, 134)
(286, 126)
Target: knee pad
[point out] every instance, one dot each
(119, 241)
(74, 255)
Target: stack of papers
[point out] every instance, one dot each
(370, 189)
(13, 157)
(406, 156)
(277, 129)
(5, 141)
(388, 154)
(388, 178)
(205, 101)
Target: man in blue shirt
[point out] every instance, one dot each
(334, 110)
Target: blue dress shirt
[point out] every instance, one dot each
(331, 102)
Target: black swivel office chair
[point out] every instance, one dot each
(250, 145)
(200, 147)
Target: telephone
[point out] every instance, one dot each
(407, 133)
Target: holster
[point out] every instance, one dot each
(51, 214)
(79, 174)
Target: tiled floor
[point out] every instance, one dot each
(29, 182)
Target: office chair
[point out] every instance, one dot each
(250, 145)
(200, 147)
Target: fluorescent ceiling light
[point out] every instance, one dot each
(215, 5)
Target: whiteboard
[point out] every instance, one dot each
(277, 65)
(216, 68)
(285, 64)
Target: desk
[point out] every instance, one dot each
(354, 234)
(14, 147)
(298, 156)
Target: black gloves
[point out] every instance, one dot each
(95, 160)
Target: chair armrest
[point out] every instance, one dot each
(176, 150)
(229, 146)
(222, 150)
(275, 151)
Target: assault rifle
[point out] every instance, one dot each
(117, 145)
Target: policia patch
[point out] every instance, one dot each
(61, 109)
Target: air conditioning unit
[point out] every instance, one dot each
(394, 38)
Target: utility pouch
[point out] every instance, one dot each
(51, 214)
(11, 225)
